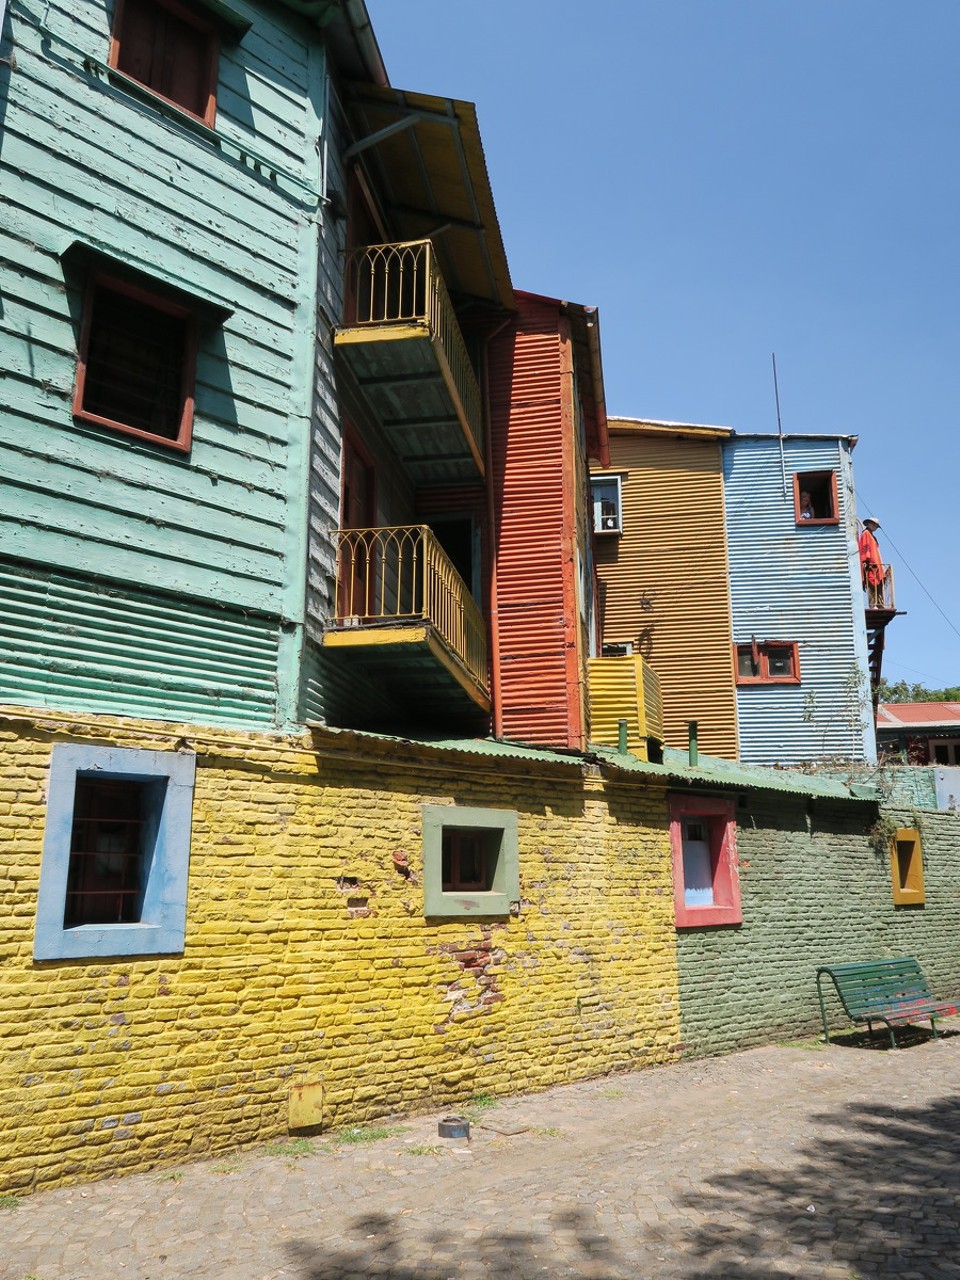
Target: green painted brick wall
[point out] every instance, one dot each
(814, 892)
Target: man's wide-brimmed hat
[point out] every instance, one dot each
(870, 520)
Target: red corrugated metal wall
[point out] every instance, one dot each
(534, 592)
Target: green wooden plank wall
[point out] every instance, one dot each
(82, 158)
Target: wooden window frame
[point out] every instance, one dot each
(597, 478)
(104, 280)
(114, 878)
(717, 814)
(498, 829)
(933, 743)
(806, 477)
(487, 849)
(907, 889)
(762, 651)
(206, 26)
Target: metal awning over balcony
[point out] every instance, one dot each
(407, 624)
(404, 349)
(426, 160)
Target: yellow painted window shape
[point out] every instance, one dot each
(906, 866)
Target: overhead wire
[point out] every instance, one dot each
(913, 573)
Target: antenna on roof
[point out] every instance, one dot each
(776, 393)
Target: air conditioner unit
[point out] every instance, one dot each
(607, 508)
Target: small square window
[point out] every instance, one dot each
(470, 861)
(906, 866)
(768, 662)
(170, 50)
(815, 497)
(137, 362)
(607, 504)
(116, 851)
(705, 876)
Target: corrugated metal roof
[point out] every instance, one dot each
(653, 426)
(434, 177)
(917, 715)
(797, 435)
(710, 770)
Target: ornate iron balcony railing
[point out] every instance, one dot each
(396, 284)
(402, 576)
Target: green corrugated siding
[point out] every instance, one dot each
(75, 643)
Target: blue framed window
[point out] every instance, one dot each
(116, 853)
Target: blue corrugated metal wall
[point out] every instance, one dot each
(799, 584)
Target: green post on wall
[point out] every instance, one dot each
(693, 750)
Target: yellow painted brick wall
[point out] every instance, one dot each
(308, 958)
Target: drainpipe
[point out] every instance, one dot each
(491, 536)
(366, 39)
(693, 754)
(622, 740)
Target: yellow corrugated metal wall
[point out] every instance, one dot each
(624, 689)
(664, 582)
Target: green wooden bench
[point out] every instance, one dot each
(890, 991)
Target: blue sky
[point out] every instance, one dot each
(729, 178)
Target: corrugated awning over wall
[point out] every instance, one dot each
(428, 161)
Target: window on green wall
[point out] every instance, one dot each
(170, 49)
(706, 881)
(906, 866)
(137, 361)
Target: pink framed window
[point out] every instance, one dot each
(706, 880)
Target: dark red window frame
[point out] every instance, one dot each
(462, 851)
(106, 870)
(802, 481)
(164, 41)
(100, 286)
(759, 653)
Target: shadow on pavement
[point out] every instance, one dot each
(875, 1197)
(907, 1037)
(570, 1246)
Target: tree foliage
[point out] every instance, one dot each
(902, 691)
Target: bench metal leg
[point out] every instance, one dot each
(823, 1010)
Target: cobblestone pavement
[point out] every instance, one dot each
(840, 1162)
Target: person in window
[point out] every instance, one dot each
(871, 565)
(806, 507)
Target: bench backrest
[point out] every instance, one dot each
(878, 984)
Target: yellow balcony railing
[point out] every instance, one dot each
(402, 576)
(397, 284)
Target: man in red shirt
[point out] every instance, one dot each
(871, 565)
